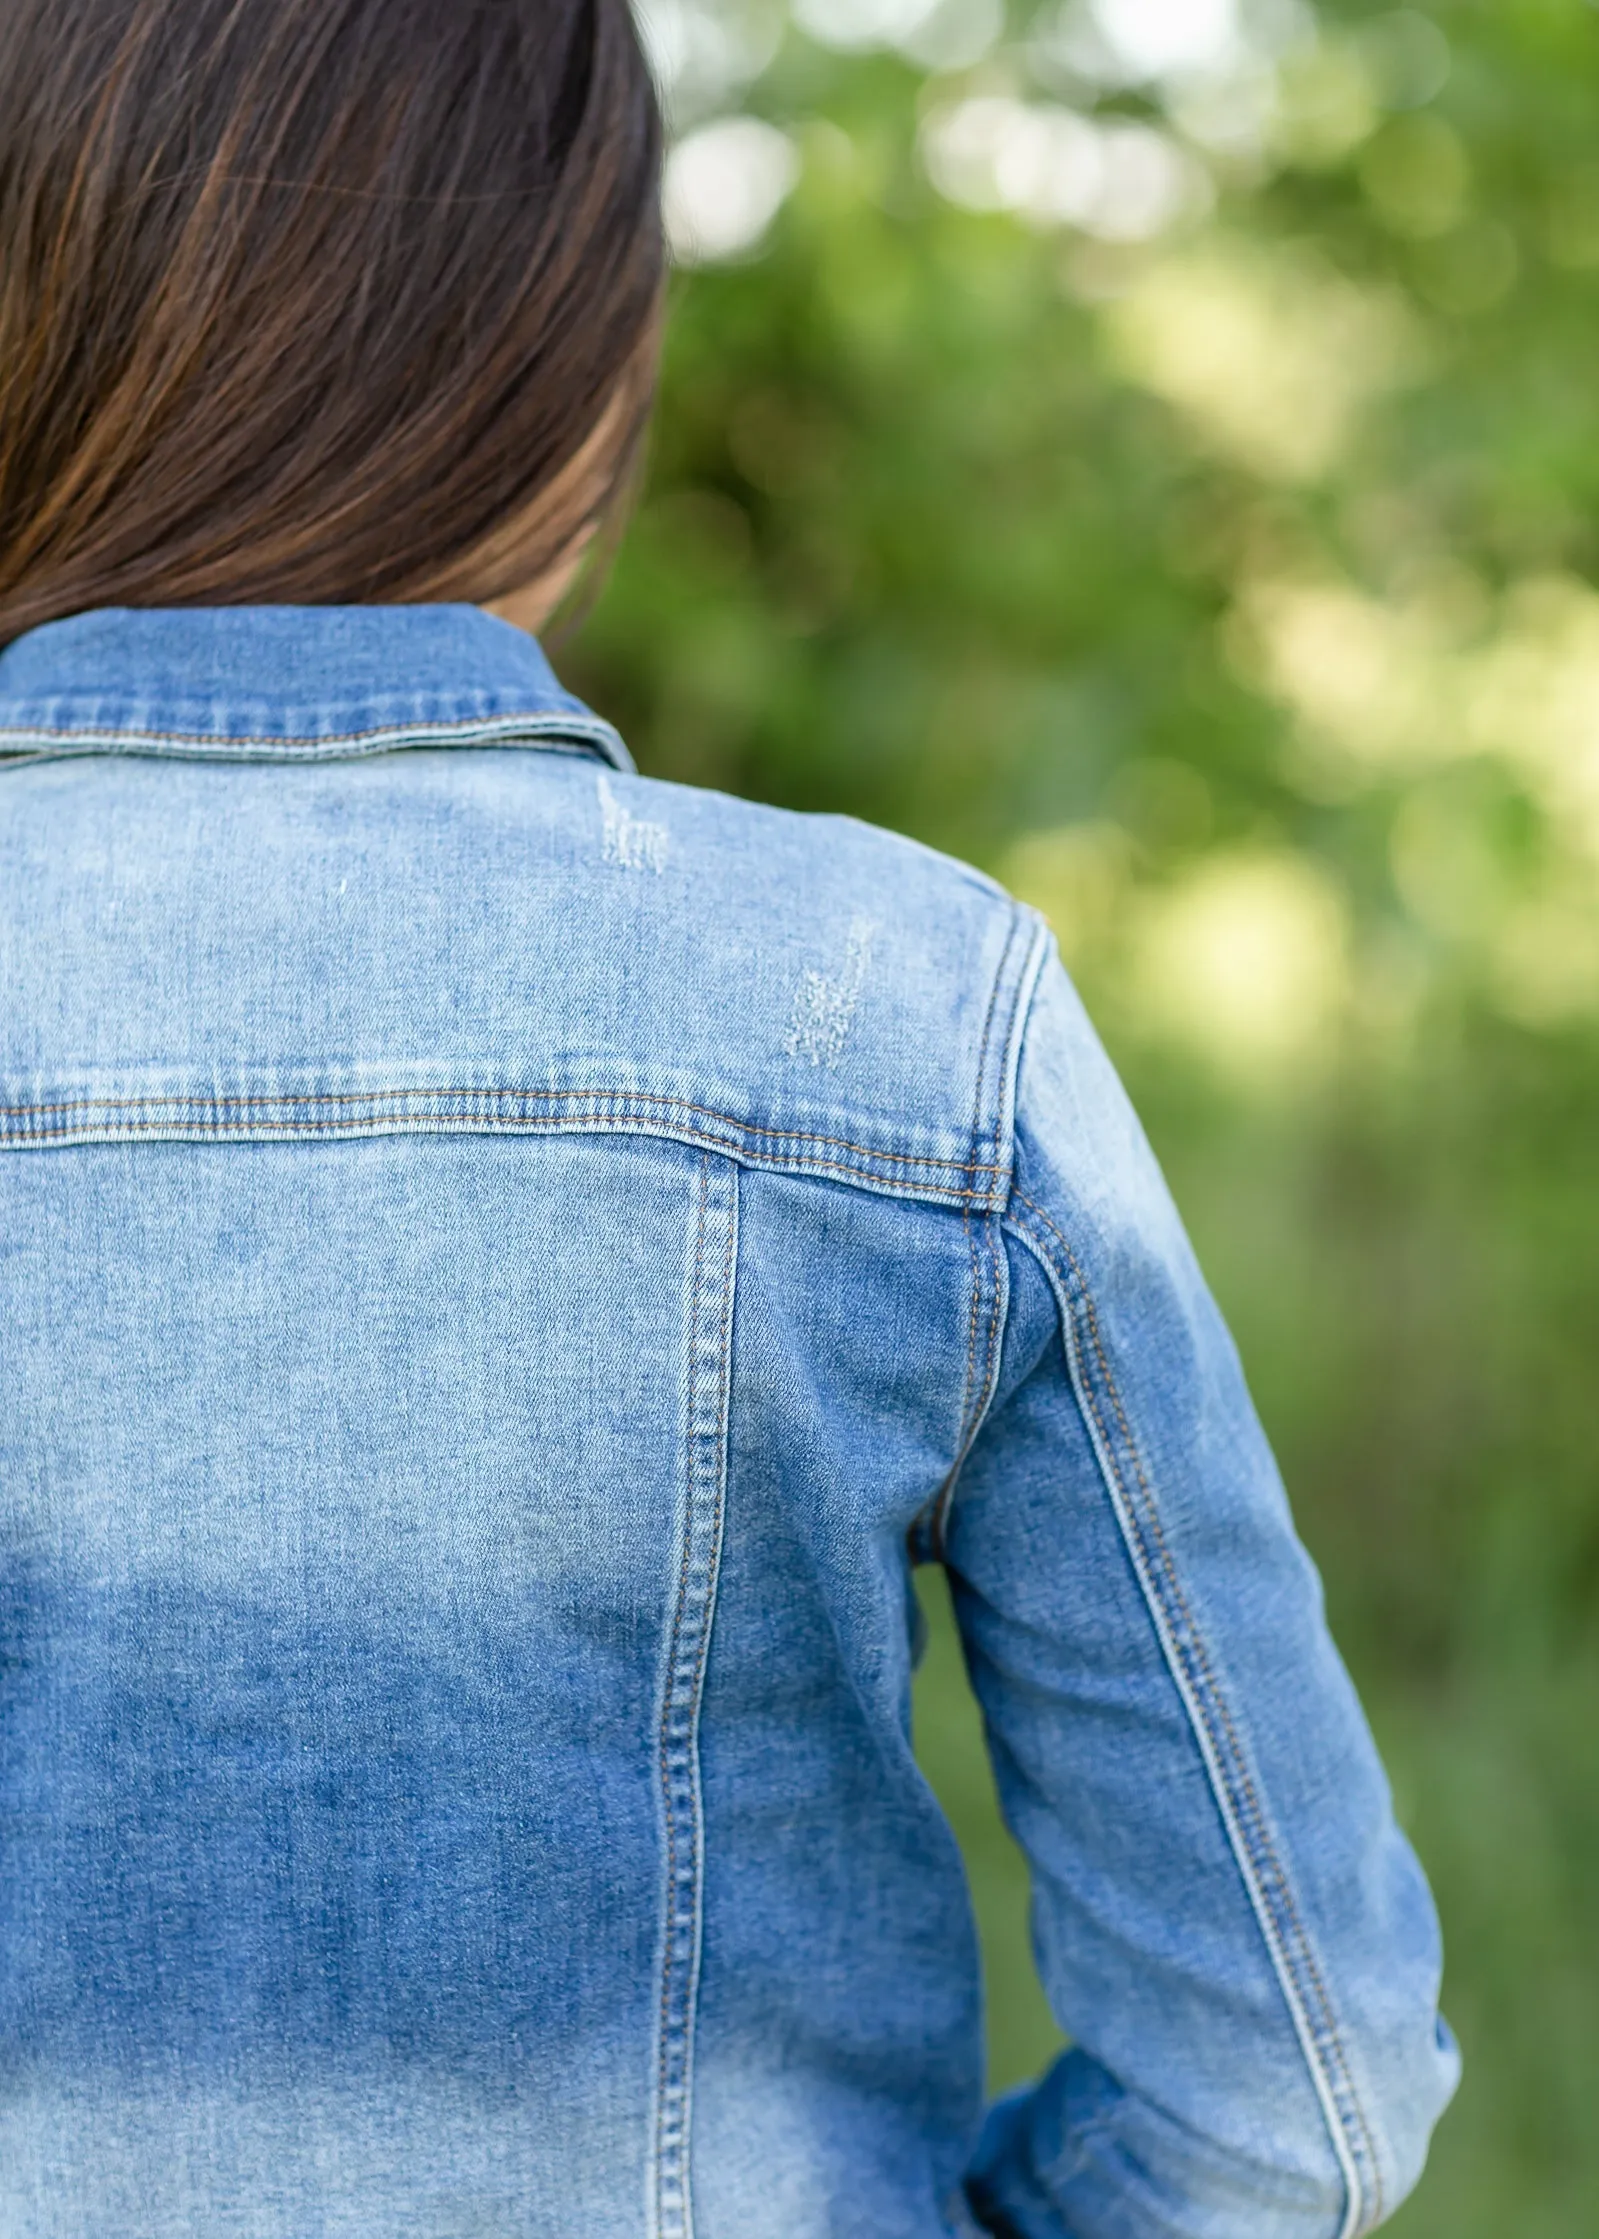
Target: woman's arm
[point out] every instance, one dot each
(1228, 1922)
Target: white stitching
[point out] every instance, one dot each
(710, 1310)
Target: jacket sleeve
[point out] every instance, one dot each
(1230, 1927)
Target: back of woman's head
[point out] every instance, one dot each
(317, 300)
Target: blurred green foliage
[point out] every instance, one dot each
(1174, 484)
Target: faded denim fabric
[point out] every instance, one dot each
(503, 1267)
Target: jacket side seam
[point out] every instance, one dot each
(1232, 1783)
(709, 1354)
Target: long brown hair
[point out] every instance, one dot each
(317, 301)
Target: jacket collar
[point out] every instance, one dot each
(286, 683)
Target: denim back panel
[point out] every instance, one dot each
(341, 1494)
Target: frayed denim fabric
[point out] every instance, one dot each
(504, 1267)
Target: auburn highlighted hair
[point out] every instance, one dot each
(314, 301)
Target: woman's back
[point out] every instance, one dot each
(503, 1267)
(450, 1161)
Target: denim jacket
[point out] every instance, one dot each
(504, 1268)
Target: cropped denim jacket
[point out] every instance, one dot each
(505, 1266)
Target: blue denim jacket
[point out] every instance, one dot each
(504, 1266)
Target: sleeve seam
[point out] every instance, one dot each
(1232, 1783)
(990, 1298)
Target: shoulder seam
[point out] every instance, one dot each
(990, 1288)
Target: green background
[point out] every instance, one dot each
(1225, 585)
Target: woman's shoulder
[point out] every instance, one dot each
(834, 978)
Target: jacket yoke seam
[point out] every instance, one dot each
(1266, 1879)
(213, 1107)
(896, 1185)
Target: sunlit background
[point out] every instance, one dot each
(1151, 448)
